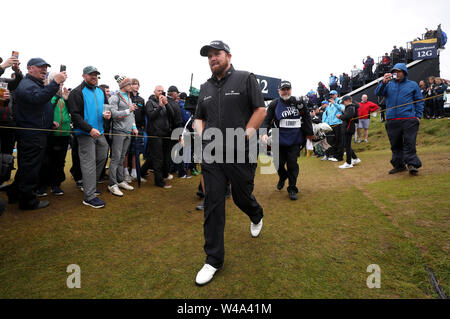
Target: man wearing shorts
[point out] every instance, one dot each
(365, 109)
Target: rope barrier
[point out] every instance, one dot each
(151, 136)
(394, 107)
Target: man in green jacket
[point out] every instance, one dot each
(52, 170)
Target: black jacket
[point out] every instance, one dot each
(175, 121)
(348, 125)
(271, 120)
(34, 107)
(139, 114)
(159, 118)
(440, 89)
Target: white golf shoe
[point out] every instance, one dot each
(255, 229)
(115, 190)
(205, 275)
(125, 185)
(346, 165)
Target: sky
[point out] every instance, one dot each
(159, 42)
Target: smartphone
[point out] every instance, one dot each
(15, 53)
(394, 76)
(164, 93)
(62, 68)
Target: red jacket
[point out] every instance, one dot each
(366, 108)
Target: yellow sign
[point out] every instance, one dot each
(426, 41)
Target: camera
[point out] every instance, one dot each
(62, 68)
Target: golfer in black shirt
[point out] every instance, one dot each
(230, 99)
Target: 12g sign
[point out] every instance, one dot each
(269, 86)
(423, 51)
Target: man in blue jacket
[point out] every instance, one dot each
(402, 123)
(34, 114)
(330, 116)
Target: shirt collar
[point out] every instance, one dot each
(227, 75)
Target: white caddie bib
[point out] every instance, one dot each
(290, 123)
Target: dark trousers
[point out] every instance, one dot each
(383, 113)
(348, 148)
(241, 177)
(439, 107)
(30, 154)
(402, 136)
(160, 155)
(7, 139)
(148, 159)
(75, 170)
(288, 158)
(335, 140)
(52, 169)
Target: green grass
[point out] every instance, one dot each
(149, 244)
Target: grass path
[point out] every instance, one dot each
(149, 244)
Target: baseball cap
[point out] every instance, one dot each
(90, 69)
(285, 85)
(37, 62)
(346, 98)
(173, 88)
(325, 102)
(216, 44)
(333, 92)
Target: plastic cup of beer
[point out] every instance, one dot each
(3, 88)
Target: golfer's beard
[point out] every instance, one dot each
(221, 70)
(285, 97)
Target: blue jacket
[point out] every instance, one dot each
(34, 107)
(86, 108)
(329, 115)
(399, 93)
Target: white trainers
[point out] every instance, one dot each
(255, 229)
(346, 165)
(205, 275)
(128, 179)
(124, 185)
(356, 161)
(324, 158)
(332, 159)
(168, 178)
(115, 190)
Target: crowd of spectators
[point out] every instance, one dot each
(372, 70)
(42, 119)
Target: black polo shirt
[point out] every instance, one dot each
(229, 102)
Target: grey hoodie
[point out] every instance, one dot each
(122, 119)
